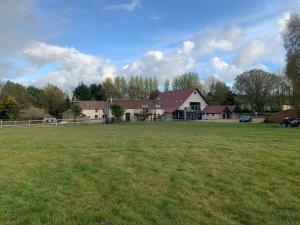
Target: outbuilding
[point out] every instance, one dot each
(212, 112)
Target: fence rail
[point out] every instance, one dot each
(44, 123)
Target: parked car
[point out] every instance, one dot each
(287, 122)
(295, 123)
(246, 118)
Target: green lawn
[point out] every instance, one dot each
(150, 173)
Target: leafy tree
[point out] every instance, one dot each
(76, 109)
(153, 95)
(187, 80)
(217, 92)
(82, 92)
(120, 86)
(257, 86)
(97, 92)
(166, 85)
(35, 96)
(136, 87)
(68, 102)
(54, 100)
(291, 39)
(17, 91)
(230, 98)
(117, 111)
(9, 108)
(109, 88)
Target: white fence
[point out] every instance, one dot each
(44, 123)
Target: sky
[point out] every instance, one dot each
(64, 42)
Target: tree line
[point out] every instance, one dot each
(254, 90)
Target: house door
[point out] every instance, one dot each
(127, 116)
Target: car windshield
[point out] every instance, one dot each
(245, 117)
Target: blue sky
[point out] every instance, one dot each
(65, 42)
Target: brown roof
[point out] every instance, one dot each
(172, 100)
(219, 108)
(91, 105)
(137, 103)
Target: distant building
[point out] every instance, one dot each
(140, 109)
(92, 109)
(211, 112)
(287, 107)
(184, 104)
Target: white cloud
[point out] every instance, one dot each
(188, 46)
(73, 66)
(223, 70)
(125, 6)
(163, 65)
(155, 17)
(252, 52)
(219, 39)
(158, 55)
(16, 19)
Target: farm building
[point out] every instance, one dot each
(92, 109)
(138, 109)
(211, 112)
(184, 104)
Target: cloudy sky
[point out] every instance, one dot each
(65, 41)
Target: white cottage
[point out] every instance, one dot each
(92, 109)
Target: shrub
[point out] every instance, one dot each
(117, 111)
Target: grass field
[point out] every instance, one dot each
(150, 173)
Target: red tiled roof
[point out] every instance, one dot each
(218, 108)
(137, 103)
(91, 105)
(172, 100)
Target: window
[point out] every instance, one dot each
(195, 92)
(96, 116)
(212, 114)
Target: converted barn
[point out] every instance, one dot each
(140, 109)
(184, 104)
(211, 112)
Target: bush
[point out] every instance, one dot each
(33, 113)
(117, 111)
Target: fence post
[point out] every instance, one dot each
(15, 123)
(78, 121)
(1, 123)
(29, 122)
(56, 123)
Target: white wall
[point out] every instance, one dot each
(91, 113)
(193, 98)
(210, 116)
(158, 112)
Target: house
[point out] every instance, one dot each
(140, 109)
(211, 112)
(92, 109)
(184, 104)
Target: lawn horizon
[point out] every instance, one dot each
(150, 173)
